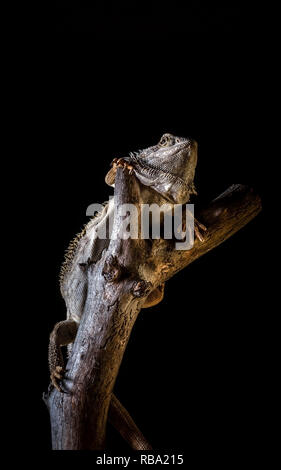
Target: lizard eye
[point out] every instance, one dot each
(165, 140)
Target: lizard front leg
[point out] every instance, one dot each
(117, 163)
(198, 227)
(63, 333)
(121, 163)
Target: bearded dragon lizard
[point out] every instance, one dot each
(168, 168)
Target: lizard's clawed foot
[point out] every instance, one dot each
(198, 228)
(57, 375)
(121, 163)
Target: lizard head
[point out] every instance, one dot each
(167, 167)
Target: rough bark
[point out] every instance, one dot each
(79, 417)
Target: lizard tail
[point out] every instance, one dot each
(119, 418)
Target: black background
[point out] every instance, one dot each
(193, 375)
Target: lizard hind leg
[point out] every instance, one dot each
(63, 334)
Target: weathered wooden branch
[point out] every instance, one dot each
(79, 417)
(223, 217)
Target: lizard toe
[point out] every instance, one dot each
(56, 385)
(57, 375)
(198, 227)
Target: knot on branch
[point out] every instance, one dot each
(141, 288)
(85, 266)
(112, 269)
